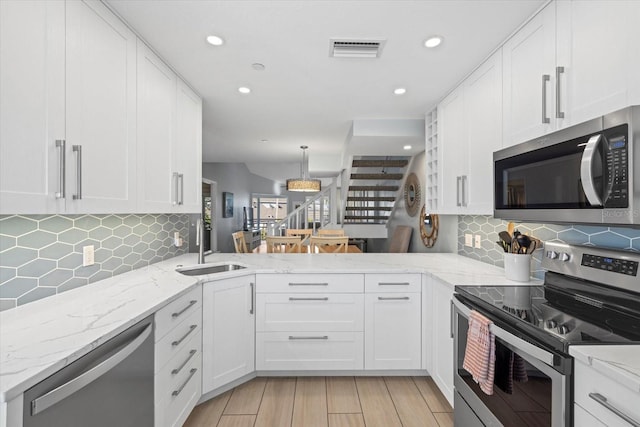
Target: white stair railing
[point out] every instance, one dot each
(321, 209)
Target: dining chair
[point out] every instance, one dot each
(304, 233)
(327, 232)
(284, 245)
(321, 244)
(239, 243)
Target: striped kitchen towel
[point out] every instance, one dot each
(480, 354)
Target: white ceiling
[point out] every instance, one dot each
(304, 96)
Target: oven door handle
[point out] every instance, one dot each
(530, 349)
(586, 171)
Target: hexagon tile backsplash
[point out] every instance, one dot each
(41, 255)
(488, 228)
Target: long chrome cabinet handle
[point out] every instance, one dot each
(178, 313)
(78, 150)
(458, 180)
(322, 337)
(545, 79)
(451, 318)
(464, 193)
(67, 389)
(393, 283)
(308, 284)
(181, 187)
(191, 329)
(393, 298)
(559, 112)
(251, 286)
(174, 179)
(192, 372)
(179, 368)
(604, 402)
(61, 145)
(309, 299)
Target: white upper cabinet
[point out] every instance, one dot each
(595, 44)
(187, 151)
(101, 110)
(529, 59)
(31, 105)
(156, 131)
(470, 129)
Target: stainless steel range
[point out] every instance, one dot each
(589, 296)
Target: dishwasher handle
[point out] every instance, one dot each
(67, 389)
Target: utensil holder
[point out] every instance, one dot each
(517, 267)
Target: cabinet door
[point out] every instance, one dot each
(101, 109)
(584, 418)
(228, 331)
(483, 103)
(31, 105)
(595, 42)
(442, 371)
(392, 338)
(188, 149)
(452, 154)
(527, 57)
(156, 88)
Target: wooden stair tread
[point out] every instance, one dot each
(379, 176)
(369, 208)
(371, 199)
(374, 188)
(379, 163)
(367, 217)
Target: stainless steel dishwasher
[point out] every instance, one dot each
(110, 386)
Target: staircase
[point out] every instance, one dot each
(374, 186)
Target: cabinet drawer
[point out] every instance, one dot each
(309, 312)
(176, 311)
(290, 351)
(174, 410)
(173, 372)
(176, 340)
(588, 380)
(303, 283)
(408, 282)
(583, 418)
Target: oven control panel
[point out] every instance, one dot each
(615, 265)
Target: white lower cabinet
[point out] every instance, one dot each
(392, 331)
(583, 418)
(228, 331)
(442, 348)
(178, 359)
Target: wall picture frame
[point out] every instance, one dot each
(227, 204)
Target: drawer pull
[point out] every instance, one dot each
(309, 299)
(179, 368)
(322, 337)
(177, 314)
(191, 329)
(192, 372)
(394, 284)
(307, 284)
(393, 298)
(603, 401)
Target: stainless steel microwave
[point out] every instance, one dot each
(583, 174)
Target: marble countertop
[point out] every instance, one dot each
(40, 338)
(619, 362)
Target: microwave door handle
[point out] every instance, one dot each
(586, 171)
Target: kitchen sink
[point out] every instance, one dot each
(201, 270)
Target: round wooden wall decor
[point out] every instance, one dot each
(429, 224)
(412, 194)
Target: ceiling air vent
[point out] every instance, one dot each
(345, 48)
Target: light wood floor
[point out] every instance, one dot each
(327, 402)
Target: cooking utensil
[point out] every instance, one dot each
(523, 242)
(506, 238)
(510, 227)
(504, 245)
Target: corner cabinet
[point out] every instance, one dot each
(228, 319)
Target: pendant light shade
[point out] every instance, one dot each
(304, 183)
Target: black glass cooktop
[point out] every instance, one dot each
(563, 312)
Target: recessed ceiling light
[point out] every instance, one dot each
(400, 91)
(244, 90)
(433, 41)
(215, 40)
(257, 66)
(264, 140)
(407, 147)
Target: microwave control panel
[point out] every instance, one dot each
(617, 167)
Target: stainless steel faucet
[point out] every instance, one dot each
(200, 240)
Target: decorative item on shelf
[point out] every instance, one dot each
(304, 183)
(412, 194)
(227, 204)
(517, 248)
(429, 224)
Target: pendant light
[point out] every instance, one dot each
(304, 183)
